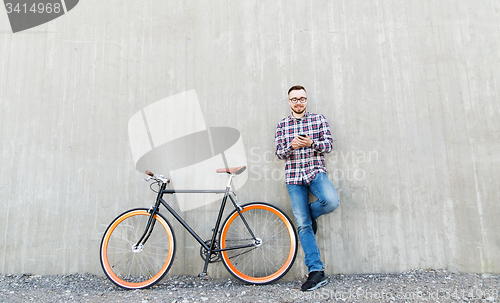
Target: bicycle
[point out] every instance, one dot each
(257, 242)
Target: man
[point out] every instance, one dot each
(301, 139)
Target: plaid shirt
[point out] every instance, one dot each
(304, 163)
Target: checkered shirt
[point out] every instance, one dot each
(303, 164)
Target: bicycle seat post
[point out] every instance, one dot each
(228, 186)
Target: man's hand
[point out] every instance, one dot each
(300, 141)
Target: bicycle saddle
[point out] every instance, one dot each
(232, 170)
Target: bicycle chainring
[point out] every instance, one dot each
(214, 257)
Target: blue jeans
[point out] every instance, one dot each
(327, 201)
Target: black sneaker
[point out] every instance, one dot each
(315, 280)
(314, 226)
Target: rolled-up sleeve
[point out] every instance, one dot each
(325, 143)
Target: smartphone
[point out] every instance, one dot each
(302, 135)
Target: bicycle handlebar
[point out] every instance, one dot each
(156, 177)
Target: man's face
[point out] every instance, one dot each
(298, 107)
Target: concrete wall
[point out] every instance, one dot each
(410, 89)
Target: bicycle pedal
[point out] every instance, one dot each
(203, 274)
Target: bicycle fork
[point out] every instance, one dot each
(151, 222)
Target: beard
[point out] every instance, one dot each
(299, 112)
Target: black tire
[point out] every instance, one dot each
(140, 267)
(267, 261)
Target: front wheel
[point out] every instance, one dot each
(134, 266)
(270, 251)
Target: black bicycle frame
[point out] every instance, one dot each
(211, 249)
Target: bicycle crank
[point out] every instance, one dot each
(214, 257)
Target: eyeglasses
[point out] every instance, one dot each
(295, 100)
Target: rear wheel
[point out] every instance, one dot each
(130, 266)
(273, 250)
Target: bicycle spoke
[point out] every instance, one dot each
(126, 262)
(118, 248)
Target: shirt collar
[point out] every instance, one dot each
(291, 117)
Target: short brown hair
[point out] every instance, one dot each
(296, 87)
